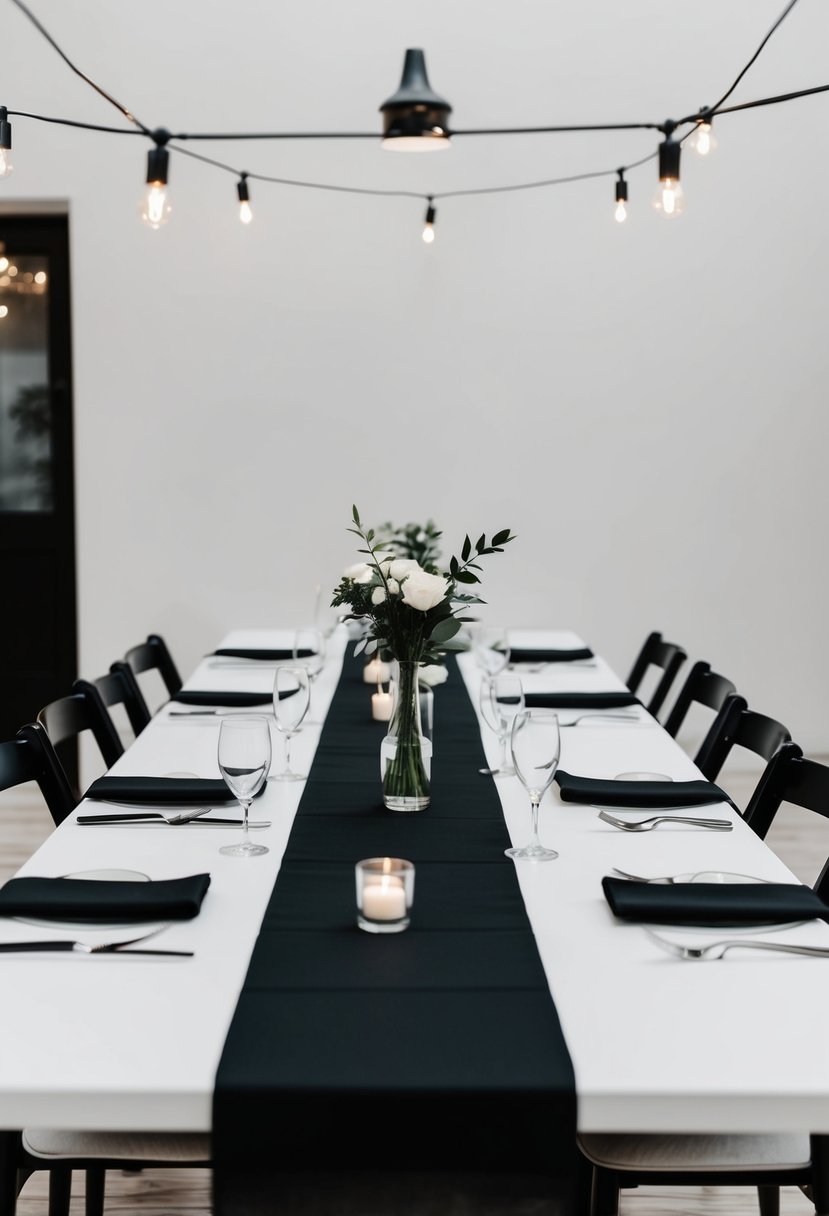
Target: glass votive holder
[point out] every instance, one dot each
(385, 890)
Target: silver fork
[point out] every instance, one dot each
(714, 950)
(621, 715)
(647, 825)
(96, 948)
(668, 879)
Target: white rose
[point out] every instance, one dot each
(432, 674)
(378, 595)
(424, 591)
(394, 586)
(402, 566)
(359, 573)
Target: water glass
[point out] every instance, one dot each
(244, 757)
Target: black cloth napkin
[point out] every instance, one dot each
(638, 793)
(168, 791)
(195, 697)
(523, 654)
(713, 903)
(244, 652)
(71, 899)
(579, 700)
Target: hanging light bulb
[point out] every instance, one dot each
(155, 209)
(415, 119)
(6, 165)
(621, 212)
(245, 213)
(429, 223)
(703, 141)
(669, 198)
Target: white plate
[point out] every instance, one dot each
(93, 926)
(643, 776)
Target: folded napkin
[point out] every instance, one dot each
(523, 654)
(169, 791)
(638, 793)
(244, 652)
(71, 899)
(195, 697)
(579, 700)
(702, 903)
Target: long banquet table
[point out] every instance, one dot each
(656, 1044)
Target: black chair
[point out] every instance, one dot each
(656, 653)
(767, 1162)
(789, 777)
(702, 687)
(31, 757)
(153, 655)
(738, 726)
(68, 717)
(120, 687)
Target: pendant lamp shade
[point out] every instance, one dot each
(415, 118)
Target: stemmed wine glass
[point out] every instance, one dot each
(309, 650)
(291, 696)
(492, 650)
(244, 759)
(535, 743)
(501, 698)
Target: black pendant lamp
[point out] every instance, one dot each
(415, 119)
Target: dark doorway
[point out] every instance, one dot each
(38, 649)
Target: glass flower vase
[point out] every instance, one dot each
(405, 753)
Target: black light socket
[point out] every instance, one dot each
(242, 190)
(158, 163)
(431, 212)
(669, 153)
(5, 129)
(621, 191)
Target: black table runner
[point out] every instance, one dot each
(430, 1051)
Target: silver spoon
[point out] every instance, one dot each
(647, 825)
(714, 950)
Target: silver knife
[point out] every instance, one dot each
(82, 948)
(172, 823)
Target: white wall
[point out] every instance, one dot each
(644, 405)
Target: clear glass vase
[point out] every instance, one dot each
(405, 753)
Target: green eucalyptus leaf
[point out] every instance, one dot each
(444, 630)
(359, 648)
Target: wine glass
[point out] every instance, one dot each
(244, 759)
(492, 649)
(535, 743)
(501, 698)
(291, 697)
(309, 650)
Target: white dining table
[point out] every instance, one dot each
(658, 1044)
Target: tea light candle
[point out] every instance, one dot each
(376, 672)
(385, 890)
(385, 900)
(381, 705)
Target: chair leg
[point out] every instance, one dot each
(9, 1155)
(60, 1190)
(769, 1200)
(95, 1183)
(605, 1199)
(820, 1174)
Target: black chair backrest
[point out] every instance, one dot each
(120, 687)
(153, 654)
(656, 653)
(69, 716)
(702, 687)
(31, 757)
(789, 777)
(737, 725)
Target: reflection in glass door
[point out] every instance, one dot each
(37, 542)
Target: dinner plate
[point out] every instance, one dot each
(91, 926)
(642, 776)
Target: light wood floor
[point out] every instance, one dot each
(24, 823)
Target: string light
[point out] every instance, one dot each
(155, 208)
(4, 312)
(6, 165)
(703, 141)
(245, 213)
(415, 118)
(429, 223)
(669, 199)
(621, 212)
